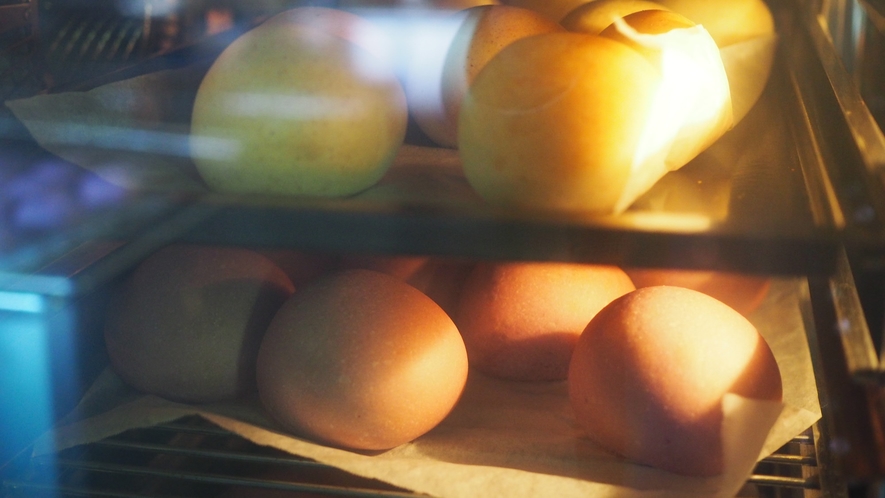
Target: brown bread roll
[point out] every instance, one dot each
(649, 373)
(520, 321)
(188, 324)
(361, 360)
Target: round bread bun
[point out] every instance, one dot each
(742, 292)
(189, 321)
(361, 360)
(294, 109)
(554, 120)
(483, 32)
(593, 17)
(649, 373)
(694, 77)
(520, 321)
(727, 22)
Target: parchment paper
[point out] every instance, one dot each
(132, 133)
(507, 439)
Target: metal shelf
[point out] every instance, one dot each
(192, 457)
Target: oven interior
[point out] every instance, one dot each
(74, 238)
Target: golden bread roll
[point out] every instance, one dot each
(361, 360)
(744, 30)
(649, 373)
(520, 321)
(190, 319)
(695, 96)
(294, 108)
(554, 120)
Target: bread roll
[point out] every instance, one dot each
(695, 97)
(648, 375)
(189, 321)
(744, 30)
(296, 108)
(554, 121)
(361, 360)
(520, 321)
(485, 31)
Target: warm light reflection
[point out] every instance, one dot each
(692, 107)
(26, 302)
(417, 43)
(219, 19)
(667, 222)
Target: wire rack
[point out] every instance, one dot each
(191, 457)
(56, 45)
(90, 43)
(21, 70)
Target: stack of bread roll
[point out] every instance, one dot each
(374, 351)
(596, 118)
(563, 106)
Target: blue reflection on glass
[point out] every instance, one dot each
(95, 192)
(53, 194)
(27, 302)
(26, 391)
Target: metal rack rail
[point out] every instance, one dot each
(192, 457)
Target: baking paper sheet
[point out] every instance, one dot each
(503, 439)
